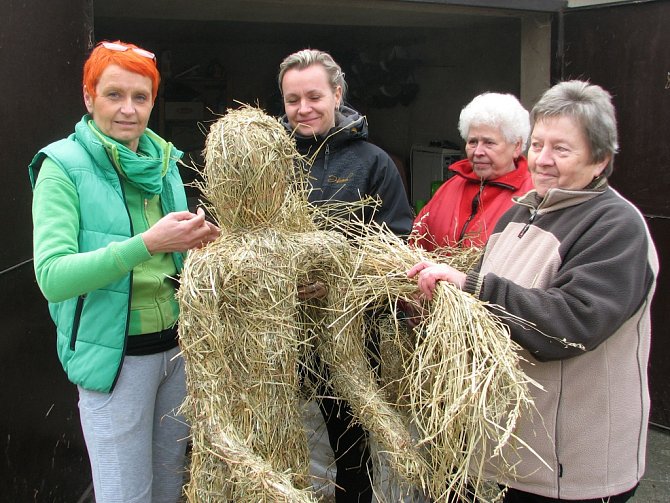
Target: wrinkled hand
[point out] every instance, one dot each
(429, 273)
(316, 290)
(180, 231)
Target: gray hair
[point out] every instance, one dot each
(502, 111)
(308, 57)
(590, 106)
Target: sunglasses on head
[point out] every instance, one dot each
(112, 46)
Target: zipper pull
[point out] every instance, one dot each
(473, 211)
(530, 221)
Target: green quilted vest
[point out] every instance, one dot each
(92, 329)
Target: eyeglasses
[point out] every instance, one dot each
(112, 46)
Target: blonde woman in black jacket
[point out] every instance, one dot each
(343, 166)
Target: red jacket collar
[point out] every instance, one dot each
(514, 179)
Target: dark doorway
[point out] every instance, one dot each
(42, 49)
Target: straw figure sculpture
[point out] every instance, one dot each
(439, 400)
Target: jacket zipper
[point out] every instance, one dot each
(324, 173)
(474, 207)
(325, 157)
(528, 224)
(130, 290)
(77, 319)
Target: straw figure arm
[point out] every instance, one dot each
(456, 375)
(256, 479)
(354, 378)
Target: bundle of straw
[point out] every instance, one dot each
(447, 395)
(456, 376)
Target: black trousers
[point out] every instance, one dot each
(348, 439)
(516, 496)
(349, 442)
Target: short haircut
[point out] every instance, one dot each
(590, 106)
(102, 57)
(501, 111)
(308, 57)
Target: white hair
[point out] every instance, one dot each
(502, 111)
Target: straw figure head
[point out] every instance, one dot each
(250, 177)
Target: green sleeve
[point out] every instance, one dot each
(61, 270)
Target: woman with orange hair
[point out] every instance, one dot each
(111, 227)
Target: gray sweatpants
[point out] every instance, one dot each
(136, 443)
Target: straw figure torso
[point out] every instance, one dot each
(249, 341)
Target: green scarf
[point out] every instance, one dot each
(145, 168)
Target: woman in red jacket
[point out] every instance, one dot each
(466, 207)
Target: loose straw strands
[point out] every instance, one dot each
(466, 392)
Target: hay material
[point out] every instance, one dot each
(466, 392)
(447, 393)
(250, 178)
(456, 376)
(239, 331)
